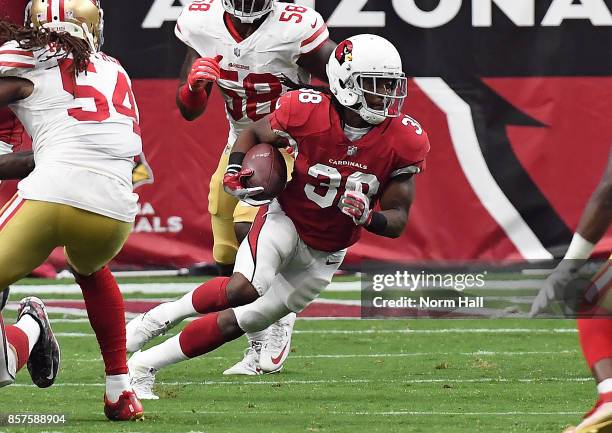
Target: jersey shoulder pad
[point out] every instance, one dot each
(16, 61)
(300, 25)
(410, 145)
(302, 113)
(198, 18)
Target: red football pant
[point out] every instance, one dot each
(106, 313)
(595, 339)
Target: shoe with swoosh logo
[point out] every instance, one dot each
(277, 345)
(44, 360)
(249, 364)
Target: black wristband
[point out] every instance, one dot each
(234, 164)
(378, 224)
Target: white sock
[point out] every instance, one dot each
(604, 386)
(174, 311)
(115, 385)
(31, 328)
(12, 361)
(167, 353)
(257, 336)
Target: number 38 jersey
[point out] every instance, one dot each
(250, 68)
(327, 162)
(84, 130)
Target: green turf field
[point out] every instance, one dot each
(451, 376)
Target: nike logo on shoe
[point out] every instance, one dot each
(277, 360)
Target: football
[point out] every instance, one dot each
(270, 170)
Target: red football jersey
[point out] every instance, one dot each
(10, 128)
(327, 161)
(13, 10)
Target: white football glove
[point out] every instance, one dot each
(356, 204)
(553, 287)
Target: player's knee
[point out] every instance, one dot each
(240, 291)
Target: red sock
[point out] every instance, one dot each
(201, 336)
(106, 313)
(211, 296)
(595, 339)
(19, 340)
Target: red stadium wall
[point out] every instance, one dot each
(447, 220)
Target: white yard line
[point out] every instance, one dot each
(391, 331)
(383, 355)
(339, 381)
(180, 288)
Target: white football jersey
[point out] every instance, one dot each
(250, 68)
(85, 131)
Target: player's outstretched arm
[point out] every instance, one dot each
(597, 215)
(316, 62)
(593, 225)
(196, 79)
(16, 165)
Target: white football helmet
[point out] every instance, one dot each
(247, 11)
(368, 65)
(83, 19)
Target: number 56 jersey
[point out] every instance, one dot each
(328, 163)
(251, 67)
(84, 130)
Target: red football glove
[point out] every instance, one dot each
(356, 204)
(233, 184)
(204, 70)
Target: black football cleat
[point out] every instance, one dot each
(44, 360)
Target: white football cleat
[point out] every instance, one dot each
(600, 421)
(142, 378)
(277, 344)
(249, 364)
(142, 329)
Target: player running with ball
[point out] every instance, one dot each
(354, 149)
(242, 47)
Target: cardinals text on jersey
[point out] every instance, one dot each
(327, 162)
(250, 68)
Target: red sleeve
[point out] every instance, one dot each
(280, 118)
(411, 150)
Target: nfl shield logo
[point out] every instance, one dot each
(352, 151)
(237, 51)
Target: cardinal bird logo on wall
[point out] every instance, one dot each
(344, 52)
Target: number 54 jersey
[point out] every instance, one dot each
(84, 130)
(328, 163)
(251, 67)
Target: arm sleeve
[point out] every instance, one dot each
(15, 61)
(411, 157)
(184, 29)
(316, 33)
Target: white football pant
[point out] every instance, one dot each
(287, 274)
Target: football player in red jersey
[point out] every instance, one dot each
(595, 333)
(354, 149)
(244, 48)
